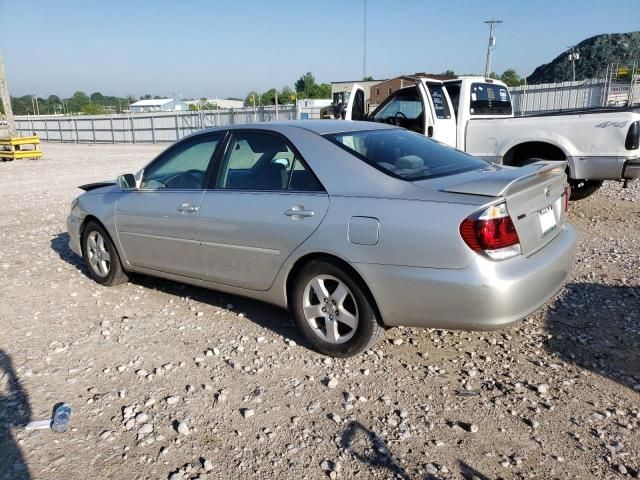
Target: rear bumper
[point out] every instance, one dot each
(604, 168)
(484, 296)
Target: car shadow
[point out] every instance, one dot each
(266, 315)
(597, 327)
(60, 245)
(15, 412)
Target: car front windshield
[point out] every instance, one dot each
(405, 154)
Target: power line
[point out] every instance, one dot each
(492, 44)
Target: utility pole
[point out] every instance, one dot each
(364, 44)
(6, 100)
(573, 56)
(492, 44)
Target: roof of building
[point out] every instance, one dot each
(360, 81)
(156, 102)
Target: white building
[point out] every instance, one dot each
(159, 105)
(220, 102)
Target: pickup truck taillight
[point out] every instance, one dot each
(632, 142)
(492, 233)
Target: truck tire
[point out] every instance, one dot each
(581, 189)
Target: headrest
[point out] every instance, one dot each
(409, 162)
(264, 143)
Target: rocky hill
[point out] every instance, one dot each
(595, 54)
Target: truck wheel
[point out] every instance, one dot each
(581, 189)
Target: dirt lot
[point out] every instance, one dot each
(556, 397)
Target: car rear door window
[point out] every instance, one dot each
(262, 161)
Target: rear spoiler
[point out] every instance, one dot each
(92, 186)
(507, 180)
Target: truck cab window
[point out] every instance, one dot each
(404, 109)
(489, 99)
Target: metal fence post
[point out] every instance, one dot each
(133, 131)
(60, 129)
(153, 131)
(75, 124)
(177, 128)
(46, 129)
(113, 134)
(93, 130)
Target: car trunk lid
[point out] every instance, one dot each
(534, 195)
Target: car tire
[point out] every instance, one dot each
(101, 257)
(318, 316)
(581, 189)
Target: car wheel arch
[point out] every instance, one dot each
(337, 261)
(91, 218)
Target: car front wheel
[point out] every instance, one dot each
(101, 257)
(333, 311)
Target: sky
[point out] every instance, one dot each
(223, 48)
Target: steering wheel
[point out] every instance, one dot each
(397, 117)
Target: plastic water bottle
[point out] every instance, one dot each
(61, 418)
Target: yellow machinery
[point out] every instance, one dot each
(12, 148)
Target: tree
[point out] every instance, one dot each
(251, 98)
(511, 78)
(146, 97)
(448, 73)
(368, 78)
(305, 85)
(286, 95)
(93, 109)
(268, 97)
(97, 97)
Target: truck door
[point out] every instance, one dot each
(356, 105)
(441, 124)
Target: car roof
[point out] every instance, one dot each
(320, 127)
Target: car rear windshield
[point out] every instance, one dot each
(404, 154)
(489, 99)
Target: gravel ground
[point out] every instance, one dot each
(174, 382)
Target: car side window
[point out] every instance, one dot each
(260, 161)
(184, 167)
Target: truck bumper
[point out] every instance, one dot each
(631, 169)
(604, 168)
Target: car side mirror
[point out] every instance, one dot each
(127, 182)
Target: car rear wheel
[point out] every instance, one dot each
(333, 311)
(101, 257)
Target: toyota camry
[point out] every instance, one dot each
(355, 227)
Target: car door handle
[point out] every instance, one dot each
(298, 212)
(187, 208)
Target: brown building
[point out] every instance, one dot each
(380, 91)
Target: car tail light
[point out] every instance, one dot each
(492, 233)
(632, 142)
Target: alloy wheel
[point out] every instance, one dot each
(330, 309)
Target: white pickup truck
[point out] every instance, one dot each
(474, 114)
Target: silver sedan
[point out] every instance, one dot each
(353, 226)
